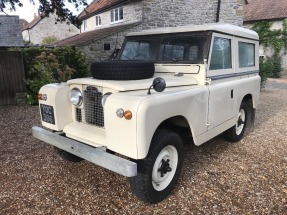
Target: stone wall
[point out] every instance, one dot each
(10, 31)
(170, 13)
(132, 12)
(95, 50)
(269, 51)
(47, 27)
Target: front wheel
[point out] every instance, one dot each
(235, 133)
(159, 171)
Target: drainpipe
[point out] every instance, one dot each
(218, 11)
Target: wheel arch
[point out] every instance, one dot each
(178, 124)
(249, 100)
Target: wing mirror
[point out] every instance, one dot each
(158, 85)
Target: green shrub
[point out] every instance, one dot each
(269, 68)
(45, 65)
(49, 40)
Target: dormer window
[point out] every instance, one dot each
(98, 21)
(117, 15)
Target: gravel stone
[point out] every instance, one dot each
(249, 177)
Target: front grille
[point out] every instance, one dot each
(92, 112)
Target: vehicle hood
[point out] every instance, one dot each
(171, 81)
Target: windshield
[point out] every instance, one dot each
(183, 48)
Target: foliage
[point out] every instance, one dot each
(276, 39)
(44, 65)
(47, 7)
(49, 40)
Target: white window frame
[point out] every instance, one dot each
(221, 71)
(98, 19)
(85, 26)
(246, 69)
(118, 14)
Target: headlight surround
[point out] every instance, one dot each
(104, 98)
(75, 97)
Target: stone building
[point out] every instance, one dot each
(274, 11)
(118, 17)
(10, 31)
(40, 28)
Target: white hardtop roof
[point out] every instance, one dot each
(218, 27)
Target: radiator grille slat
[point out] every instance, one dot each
(92, 112)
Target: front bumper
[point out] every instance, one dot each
(98, 156)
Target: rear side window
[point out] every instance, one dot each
(221, 54)
(246, 54)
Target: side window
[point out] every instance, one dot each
(221, 54)
(246, 54)
(98, 21)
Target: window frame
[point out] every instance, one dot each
(99, 20)
(256, 54)
(85, 25)
(218, 72)
(113, 11)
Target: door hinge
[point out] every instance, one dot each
(208, 81)
(208, 123)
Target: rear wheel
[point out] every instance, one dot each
(159, 171)
(235, 133)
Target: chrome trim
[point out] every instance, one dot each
(218, 77)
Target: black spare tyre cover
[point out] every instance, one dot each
(122, 70)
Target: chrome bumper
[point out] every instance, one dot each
(98, 156)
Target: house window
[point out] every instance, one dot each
(221, 54)
(98, 21)
(117, 15)
(246, 54)
(85, 25)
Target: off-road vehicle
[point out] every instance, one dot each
(131, 116)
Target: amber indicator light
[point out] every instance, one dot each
(128, 114)
(39, 96)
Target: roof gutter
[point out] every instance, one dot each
(218, 11)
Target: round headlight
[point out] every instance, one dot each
(75, 97)
(105, 98)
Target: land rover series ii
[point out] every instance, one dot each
(129, 116)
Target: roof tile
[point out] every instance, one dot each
(265, 10)
(94, 35)
(99, 5)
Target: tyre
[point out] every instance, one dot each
(235, 133)
(122, 70)
(67, 156)
(159, 171)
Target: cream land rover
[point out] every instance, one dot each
(131, 116)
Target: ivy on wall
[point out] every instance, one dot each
(276, 39)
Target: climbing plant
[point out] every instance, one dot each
(276, 39)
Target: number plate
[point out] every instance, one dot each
(47, 113)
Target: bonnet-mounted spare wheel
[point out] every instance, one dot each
(122, 70)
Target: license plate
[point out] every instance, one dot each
(47, 113)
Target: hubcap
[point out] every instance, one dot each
(164, 168)
(240, 123)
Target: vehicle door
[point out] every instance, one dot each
(220, 73)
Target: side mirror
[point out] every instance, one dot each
(158, 85)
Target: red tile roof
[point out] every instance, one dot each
(265, 10)
(89, 36)
(97, 6)
(32, 23)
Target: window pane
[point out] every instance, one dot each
(221, 54)
(246, 54)
(112, 16)
(121, 14)
(116, 14)
(100, 20)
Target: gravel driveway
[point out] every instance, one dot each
(249, 177)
